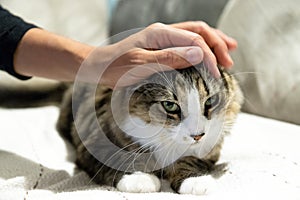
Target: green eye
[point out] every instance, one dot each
(170, 107)
(212, 101)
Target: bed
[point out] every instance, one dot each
(262, 153)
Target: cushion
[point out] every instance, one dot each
(267, 62)
(79, 20)
(131, 14)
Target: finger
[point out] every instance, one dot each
(139, 64)
(161, 36)
(230, 42)
(167, 36)
(216, 43)
(209, 59)
(216, 40)
(189, 26)
(194, 27)
(176, 57)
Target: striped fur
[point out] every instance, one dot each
(144, 106)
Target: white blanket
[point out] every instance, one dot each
(263, 157)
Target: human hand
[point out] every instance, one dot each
(159, 47)
(214, 43)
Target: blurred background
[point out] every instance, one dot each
(85, 21)
(267, 62)
(92, 21)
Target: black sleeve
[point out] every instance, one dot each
(12, 29)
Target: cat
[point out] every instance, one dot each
(170, 126)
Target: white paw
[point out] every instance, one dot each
(139, 182)
(198, 185)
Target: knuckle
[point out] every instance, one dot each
(136, 58)
(198, 37)
(219, 44)
(168, 57)
(203, 26)
(156, 25)
(152, 30)
(198, 40)
(218, 31)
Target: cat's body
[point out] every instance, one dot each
(172, 127)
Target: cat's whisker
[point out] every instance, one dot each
(164, 76)
(242, 73)
(132, 153)
(110, 158)
(167, 154)
(114, 177)
(156, 149)
(142, 148)
(246, 73)
(248, 102)
(174, 158)
(173, 166)
(152, 143)
(98, 171)
(128, 166)
(167, 80)
(245, 99)
(137, 153)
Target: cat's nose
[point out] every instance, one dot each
(197, 137)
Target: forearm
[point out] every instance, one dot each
(44, 54)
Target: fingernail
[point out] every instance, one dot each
(194, 55)
(217, 74)
(213, 68)
(215, 71)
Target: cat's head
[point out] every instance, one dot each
(182, 112)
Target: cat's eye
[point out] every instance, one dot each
(170, 107)
(212, 101)
(210, 104)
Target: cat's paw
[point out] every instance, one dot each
(139, 182)
(198, 185)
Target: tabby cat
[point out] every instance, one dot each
(171, 126)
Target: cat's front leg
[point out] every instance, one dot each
(139, 182)
(198, 185)
(190, 175)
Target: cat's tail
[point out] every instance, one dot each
(32, 93)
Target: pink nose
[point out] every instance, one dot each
(198, 136)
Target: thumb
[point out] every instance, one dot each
(176, 57)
